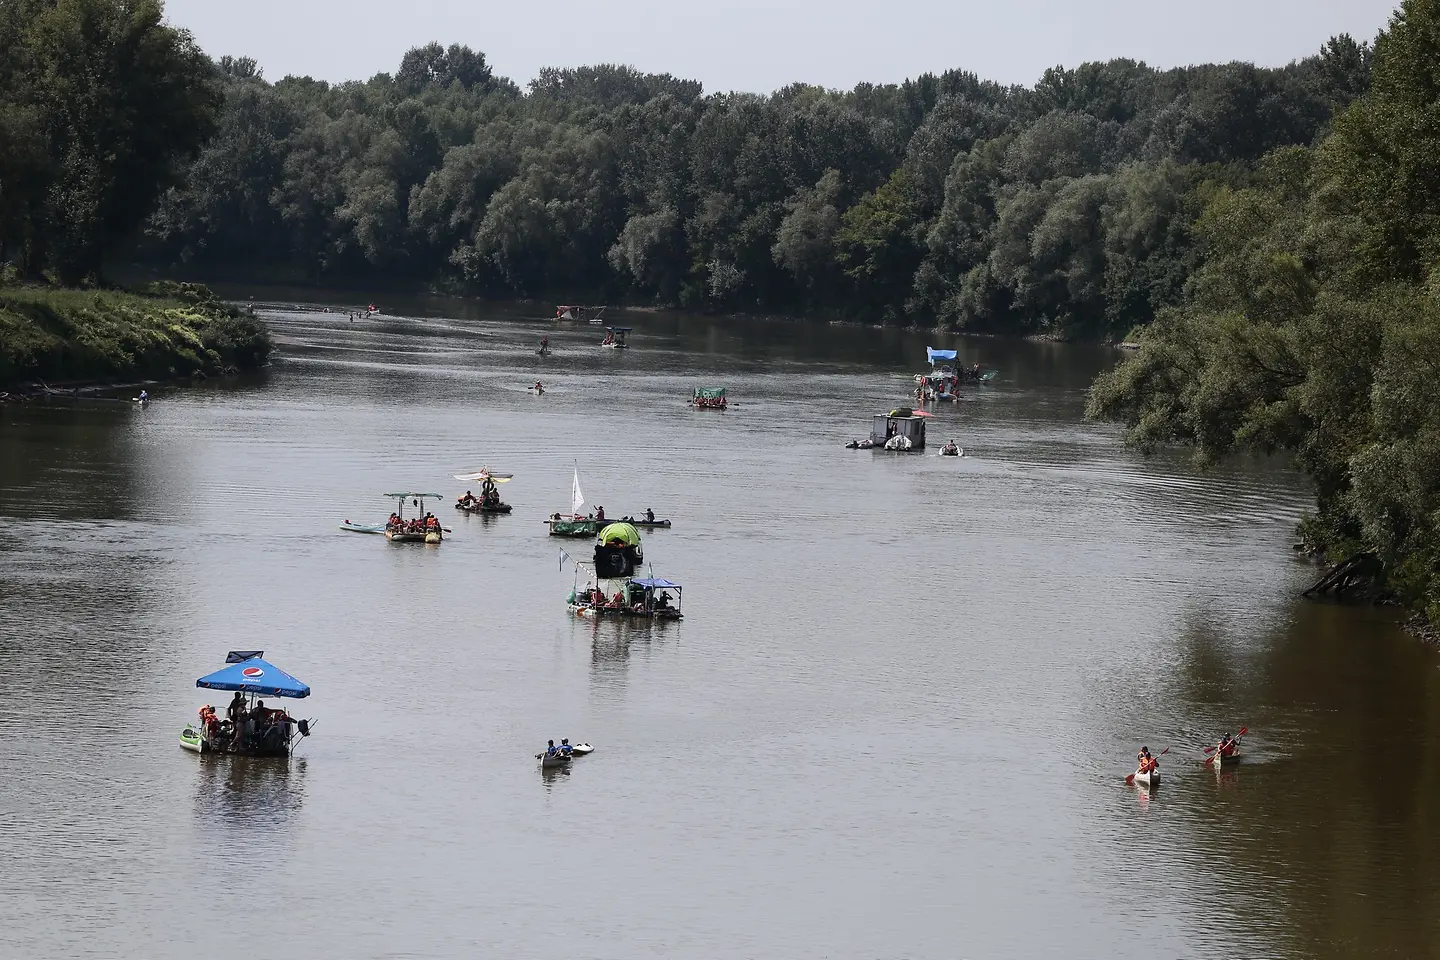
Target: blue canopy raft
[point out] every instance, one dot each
(943, 380)
(249, 728)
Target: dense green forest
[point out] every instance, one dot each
(1066, 207)
(1312, 324)
(1272, 236)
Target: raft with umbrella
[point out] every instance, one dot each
(262, 732)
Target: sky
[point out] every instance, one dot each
(762, 45)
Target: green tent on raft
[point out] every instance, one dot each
(620, 534)
(709, 393)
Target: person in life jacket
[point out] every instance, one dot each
(550, 748)
(1144, 762)
(1228, 745)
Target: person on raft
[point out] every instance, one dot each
(468, 499)
(1144, 762)
(649, 515)
(550, 750)
(539, 387)
(599, 513)
(565, 748)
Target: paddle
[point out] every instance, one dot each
(1211, 750)
(1130, 780)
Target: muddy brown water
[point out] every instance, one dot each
(894, 722)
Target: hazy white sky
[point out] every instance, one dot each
(759, 46)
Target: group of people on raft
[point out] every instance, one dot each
(564, 750)
(426, 524)
(489, 498)
(1146, 762)
(594, 598)
(245, 728)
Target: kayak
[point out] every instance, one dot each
(656, 524)
(1151, 779)
(361, 528)
(190, 739)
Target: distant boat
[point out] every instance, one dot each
(576, 524)
(582, 313)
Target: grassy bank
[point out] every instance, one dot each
(169, 331)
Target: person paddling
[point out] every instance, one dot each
(1144, 762)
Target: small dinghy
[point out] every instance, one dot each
(361, 528)
(562, 757)
(1148, 779)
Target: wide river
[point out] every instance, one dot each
(894, 722)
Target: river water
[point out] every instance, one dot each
(894, 723)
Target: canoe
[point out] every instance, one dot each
(1228, 761)
(361, 528)
(551, 762)
(1151, 779)
(654, 524)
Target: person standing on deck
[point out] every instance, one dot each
(235, 713)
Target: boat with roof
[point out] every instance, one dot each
(709, 398)
(902, 429)
(615, 338)
(945, 376)
(248, 728)
(489, 500)
(422, 527)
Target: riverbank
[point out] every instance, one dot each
(169, 331)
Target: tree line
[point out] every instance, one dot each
(1311, 325)
(1066, 207)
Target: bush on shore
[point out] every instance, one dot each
(169, 331)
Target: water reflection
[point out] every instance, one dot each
(249, 793)
(1334, 793)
